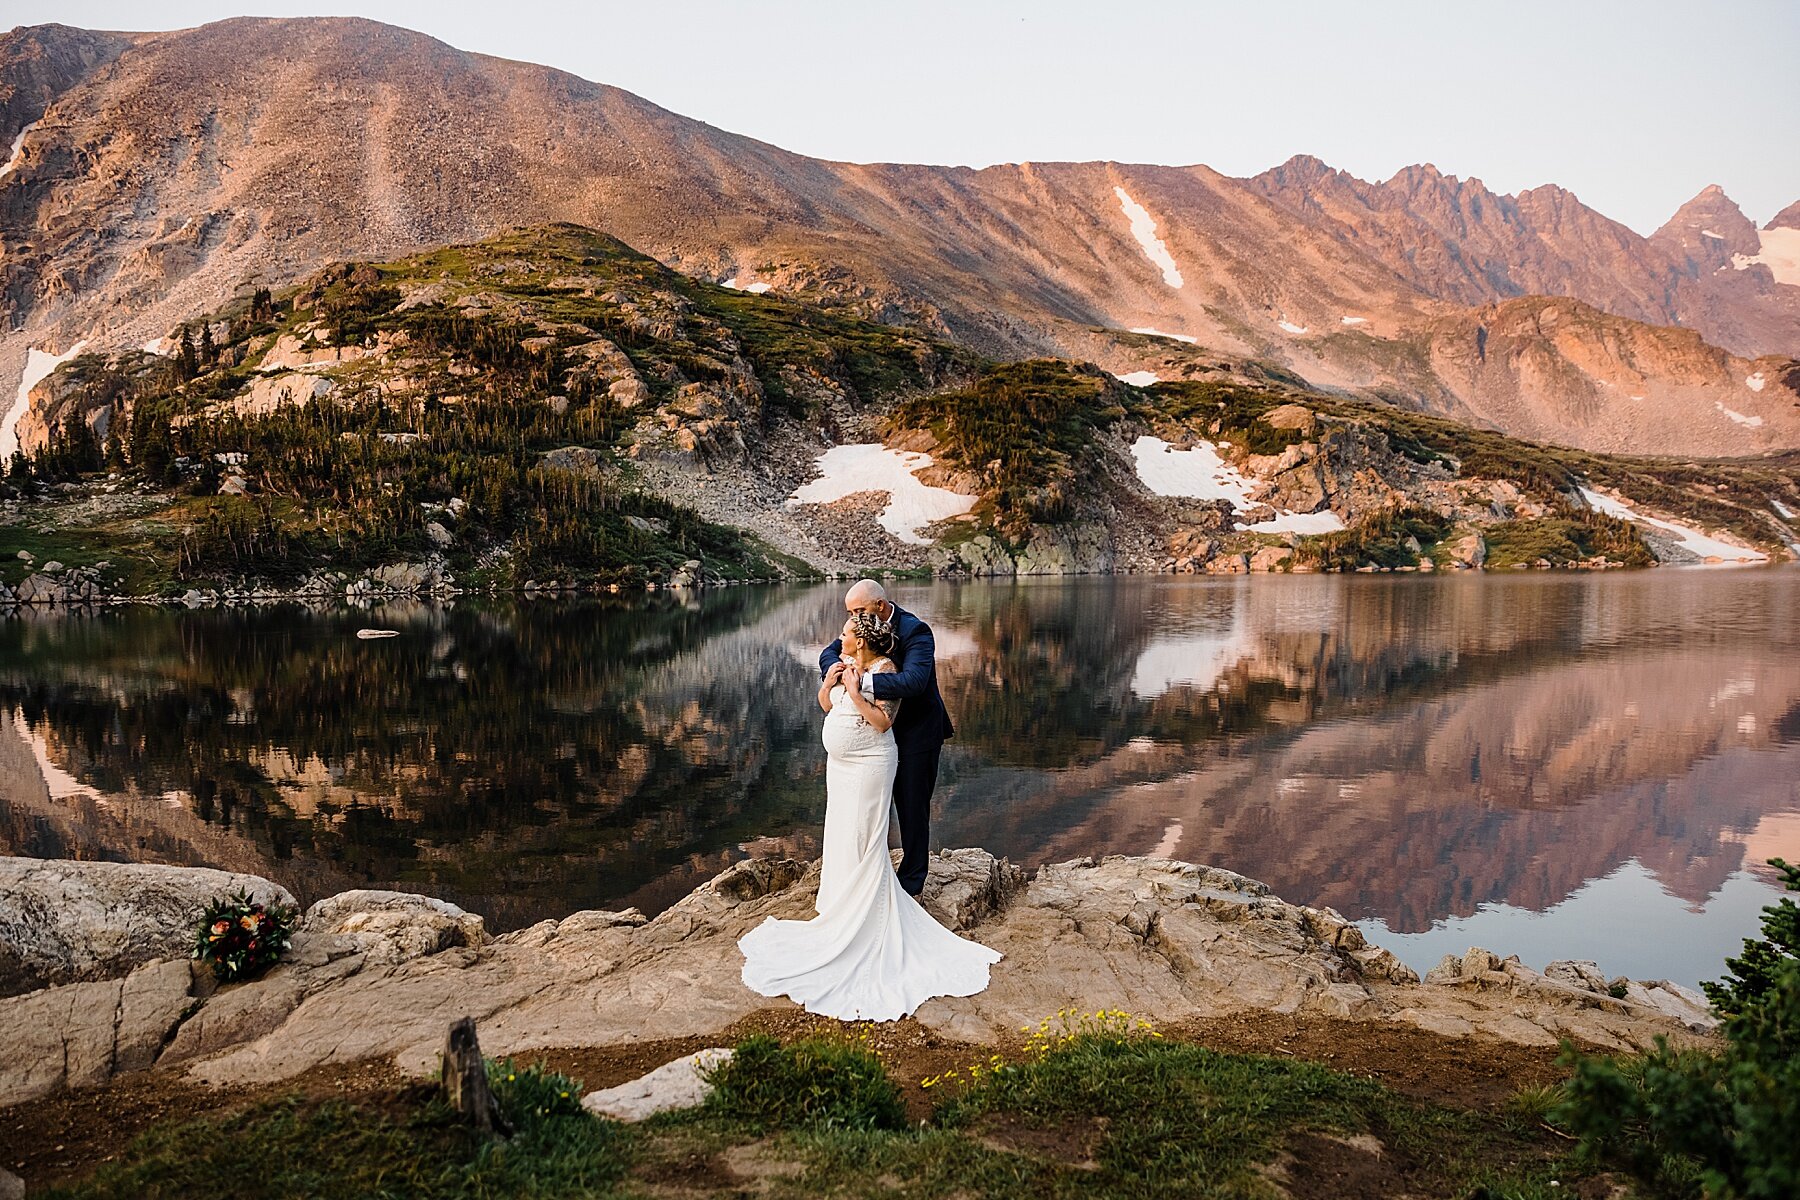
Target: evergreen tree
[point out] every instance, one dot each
(208, 353)
(153, 456)
(187, 359)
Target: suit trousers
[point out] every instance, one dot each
(913, 784)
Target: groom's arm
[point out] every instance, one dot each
(914, 679)
(830, 656)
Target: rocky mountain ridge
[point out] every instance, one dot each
(167, 172)
(550, 408)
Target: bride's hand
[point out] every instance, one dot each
(852, 676)
(833, 673)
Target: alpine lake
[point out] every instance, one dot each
(1588, 766)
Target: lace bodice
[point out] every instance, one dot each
(845, 726)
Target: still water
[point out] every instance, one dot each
(1587, 766)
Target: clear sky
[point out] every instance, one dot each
(1635, 106)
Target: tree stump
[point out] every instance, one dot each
(465, 1081)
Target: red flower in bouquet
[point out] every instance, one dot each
(238, 939)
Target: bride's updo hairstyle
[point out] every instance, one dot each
(876, 635)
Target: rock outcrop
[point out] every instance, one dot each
(391, 927)
(62, 922)
(169, 1010)
(1078, 548)
(679, 1084)
(82, 1034)
(382, 975)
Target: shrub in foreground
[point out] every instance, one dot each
(1723, 1124)
(817, 1082)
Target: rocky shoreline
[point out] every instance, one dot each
(97, 984)
(84, 587)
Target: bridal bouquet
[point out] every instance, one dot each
(238, 938)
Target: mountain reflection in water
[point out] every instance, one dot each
(1484, 757)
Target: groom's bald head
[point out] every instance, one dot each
(867, 596)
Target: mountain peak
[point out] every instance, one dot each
(1787, 218)
(1425, 177)
(1302, 171)
(1710, 227)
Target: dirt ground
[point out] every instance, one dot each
(66, 1136)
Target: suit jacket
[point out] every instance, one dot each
(922, 721)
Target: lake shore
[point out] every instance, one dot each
(380, 975)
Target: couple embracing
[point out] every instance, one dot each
(872, 953)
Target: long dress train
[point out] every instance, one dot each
(872, 953)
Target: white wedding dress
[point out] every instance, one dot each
(872, 953)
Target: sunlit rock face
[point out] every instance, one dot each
(351, 139)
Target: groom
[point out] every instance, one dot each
(920, 727)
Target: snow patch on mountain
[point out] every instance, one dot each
(1354, 320)
(1740, 418)
(38, 366)
(755, 289)
(1754, 382)
(1685, 536)
(1293, 522)
(18, 151)
(872, 467)
(1199, 473)
(1290, 327)
(1780, 252)
(1138, 378)
(1179, 337)
(1143, 228)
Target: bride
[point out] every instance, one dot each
(872, 954)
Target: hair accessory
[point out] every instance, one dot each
(876, 634)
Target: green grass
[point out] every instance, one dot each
(1027, 431)
(1090, 1116)
(1227, 411)
(135, 565)
(1562, 540)
(1380, 540)
(1166, 1118)
(412, 1148)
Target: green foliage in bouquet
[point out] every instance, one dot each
(239, 938)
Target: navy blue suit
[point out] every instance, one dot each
(920, 729)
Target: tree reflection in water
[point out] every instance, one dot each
(1402, 749)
